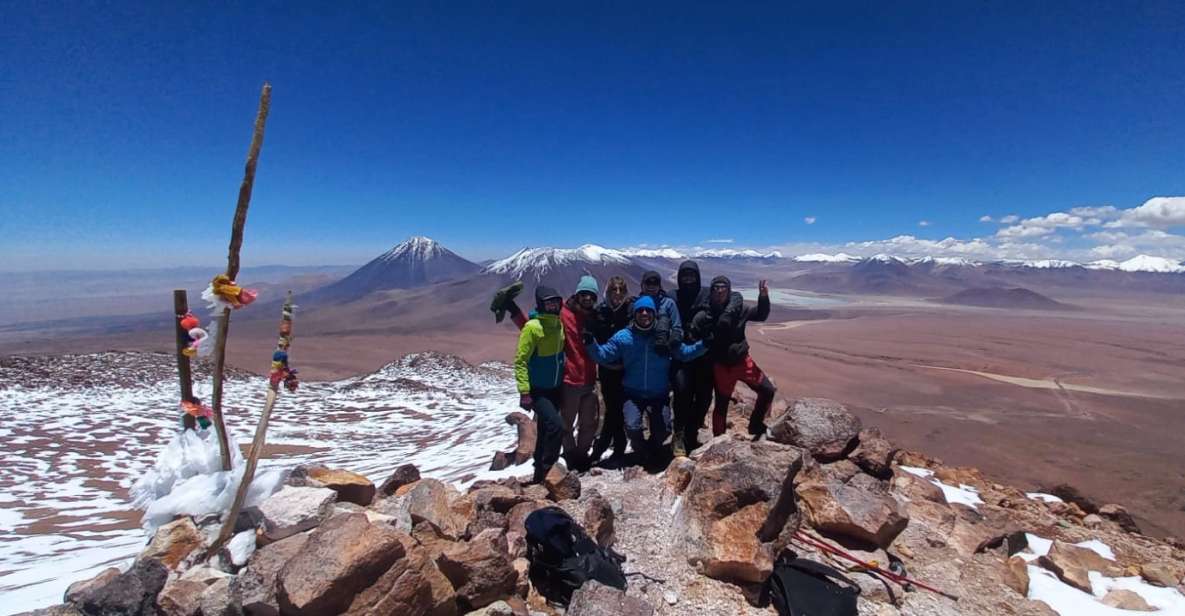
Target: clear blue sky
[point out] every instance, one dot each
(494, 125)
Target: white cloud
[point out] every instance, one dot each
(985, 218)
(1009, 219)
(923, 223)
(1157, 212)
(728, 240)
(810, 220)
(1019, 231)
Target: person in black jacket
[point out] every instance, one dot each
(614, 313)
(692, 380)
(723, 325)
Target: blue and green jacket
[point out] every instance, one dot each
(539, 359)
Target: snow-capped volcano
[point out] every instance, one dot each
(535, 263)
(1145, 263)
(415, 262)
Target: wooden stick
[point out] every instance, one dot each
(228, 525)
(184, 374)
(232, 266)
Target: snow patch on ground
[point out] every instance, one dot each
(84, 429)
(1069, 601)
(963, 494)
(1045, 498)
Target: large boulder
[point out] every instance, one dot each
(174, 542)
(349, 486)
(858, 506)
(413, 585)
(295, 509)
(524, 443)
(823, 427)
(679, 473)
(254, 588)
(129, 593)
(738, 510)
(82, 587)
(1072, 564)
(1126, 600)
(402, 475)
(430, 500)
(480, 570)
(341, 558)
(596, 599)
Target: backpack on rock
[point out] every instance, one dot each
(563, 557)
(800, 587)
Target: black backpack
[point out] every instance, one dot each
(800, 587)
(563, 557)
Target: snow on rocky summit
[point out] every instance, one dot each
(79, 430)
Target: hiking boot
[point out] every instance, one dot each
(502, 299)
(677, 447)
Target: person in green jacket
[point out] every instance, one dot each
(539, 373)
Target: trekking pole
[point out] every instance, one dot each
(899, 579)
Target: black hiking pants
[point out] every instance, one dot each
(693, 384)
(613, 427)
(549, 429)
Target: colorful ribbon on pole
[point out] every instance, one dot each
(226, 293)
(281, 372)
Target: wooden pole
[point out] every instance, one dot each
(232, 266)
(228, 525)
(184, 373)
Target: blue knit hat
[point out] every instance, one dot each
(644, 302)
(589, 284)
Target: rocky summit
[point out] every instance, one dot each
(699, 537)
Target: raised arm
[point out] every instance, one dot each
(762, 311)
(609, 353)
(687, 352)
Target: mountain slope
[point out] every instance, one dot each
(995, 297)
(417, 262)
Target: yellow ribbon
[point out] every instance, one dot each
(226, 288)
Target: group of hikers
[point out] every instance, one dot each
(639, 349)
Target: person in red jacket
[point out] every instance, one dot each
(579, 406)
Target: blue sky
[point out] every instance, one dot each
(491, 126)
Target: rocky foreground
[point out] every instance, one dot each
(699, 538)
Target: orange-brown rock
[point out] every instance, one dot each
(350, 487)
(480, 570)
(1016, 575)
(1127, 600)
(173, 543)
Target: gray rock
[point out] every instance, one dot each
(295, 509)
(132, 592)
(217, 600)
(824, 427)
(596, 599)
(403, 475)
(254, 588)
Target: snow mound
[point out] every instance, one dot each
(1045, 498)
(417, 247)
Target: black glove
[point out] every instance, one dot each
(587, 337)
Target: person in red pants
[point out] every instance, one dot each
(724, 326)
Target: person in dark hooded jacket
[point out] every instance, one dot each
(724, 328)
(668, 327)
(692, 380)
(614, 313)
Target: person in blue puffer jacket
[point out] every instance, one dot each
(647, 376)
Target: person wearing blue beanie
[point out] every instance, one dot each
(646, 379)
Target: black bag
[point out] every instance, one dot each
(800, 587)
(563, 557)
